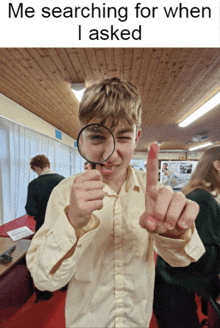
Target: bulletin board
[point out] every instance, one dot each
(176, 173)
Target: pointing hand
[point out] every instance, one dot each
(166, 212)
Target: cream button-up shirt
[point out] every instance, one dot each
(111, 273)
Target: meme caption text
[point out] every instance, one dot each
(138, 12)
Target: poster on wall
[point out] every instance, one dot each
(176, 173)
(138, 164)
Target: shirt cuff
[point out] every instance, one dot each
(63, 233)
(180, 252)
(90, 226)
(195, 248)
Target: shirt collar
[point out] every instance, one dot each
(131, 183)
(47, 171)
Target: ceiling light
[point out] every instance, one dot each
(201, 146)
(173, 150)
(78, 90)
(210, 104)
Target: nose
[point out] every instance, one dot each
(113, 156)
(109, 148)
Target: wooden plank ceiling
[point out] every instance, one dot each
(173, 83)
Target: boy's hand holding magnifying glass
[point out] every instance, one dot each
(86, 196)
(96, 144)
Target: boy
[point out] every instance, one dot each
(101, 225)
(39, 189)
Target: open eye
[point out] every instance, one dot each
(96, 139)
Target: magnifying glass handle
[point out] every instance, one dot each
(93, 166)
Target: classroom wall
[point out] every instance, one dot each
(17, 113)
(195, 155)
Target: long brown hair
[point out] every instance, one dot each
(205, 176)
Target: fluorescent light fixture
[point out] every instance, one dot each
(210, 104)
(201, 146)
(78, 90)
(173, 150)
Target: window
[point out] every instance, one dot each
(18, 145)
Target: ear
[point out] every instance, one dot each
(137, 137)
(216, 165)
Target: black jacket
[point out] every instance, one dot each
(39, 191)
(200, 276)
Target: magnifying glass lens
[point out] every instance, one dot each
(96, 143)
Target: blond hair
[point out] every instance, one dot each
(111, 100)
(205, 176)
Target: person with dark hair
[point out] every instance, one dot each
(178, 285)
(39, 189)
(165, 165)
(39, 161)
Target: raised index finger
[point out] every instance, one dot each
(152, 167)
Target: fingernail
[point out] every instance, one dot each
(167, 226)
(151, 223)
(153, 150)
(183, 225)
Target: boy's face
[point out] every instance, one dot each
(115, 168)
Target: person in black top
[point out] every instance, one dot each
(174, 294)
(39, 189)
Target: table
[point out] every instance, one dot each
(24, 220)
(22, 246)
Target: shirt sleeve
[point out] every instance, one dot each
(200, 276)
(31, 206)
(51, 244)
(180, 252)
(208, 227)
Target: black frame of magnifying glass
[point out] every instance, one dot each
(95, 163)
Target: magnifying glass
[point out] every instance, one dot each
(96, 143)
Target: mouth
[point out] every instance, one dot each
(108, 168)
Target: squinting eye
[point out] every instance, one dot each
(124, 138)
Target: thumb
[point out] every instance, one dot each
(147, 222)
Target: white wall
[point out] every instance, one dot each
(17, 113)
